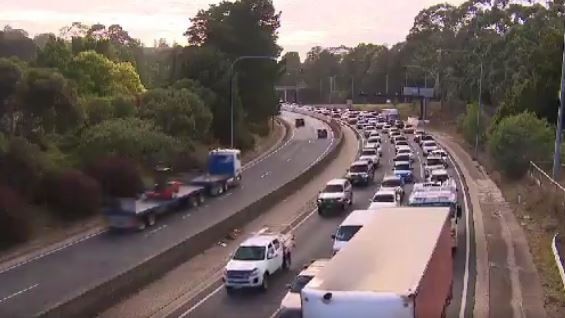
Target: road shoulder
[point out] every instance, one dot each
(507, 282)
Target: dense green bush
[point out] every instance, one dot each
(131, 138)
(468, 124)
(118, 177)
(71, 194)
(98, 109)
(178, 112)
(14, 226)
(124, 106)
(22, 165)
(518, 139)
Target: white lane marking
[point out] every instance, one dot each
(467, 243)
(255, 162)
(162, 227)
(186, 216)
(288, 160)
(42, 255)
(215, 291)
(18, 293)
(265, 174)
(275, 313)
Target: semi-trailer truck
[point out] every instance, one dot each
(223, 171)
(385, 272)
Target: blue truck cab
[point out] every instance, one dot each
(223, 171)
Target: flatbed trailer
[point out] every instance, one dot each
(138, 213)
(215, 185)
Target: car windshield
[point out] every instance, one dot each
(401, 143)
(429, 144)
(383, 198)
(346, 232)
(404, 150)
(439, 178)
(402, 158)
(358, 168)
(391, 183)
(369, 127)
(402, 167)
(368, 152)
(333, 188)
(433, 162)
(299, 282)
(374, 140)
(250, 253)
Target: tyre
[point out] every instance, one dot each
(142, 225)
(230, 290)
(265, 282)
(151, 220)
(287, 262)
(201, 198)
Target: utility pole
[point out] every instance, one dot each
(479, 112)
(352, 90)
(559, 130)
(386, 84)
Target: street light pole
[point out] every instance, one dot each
(231, 94)
(559, 130)
(479, 112)
(352, 90)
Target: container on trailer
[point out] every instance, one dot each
(399, 265)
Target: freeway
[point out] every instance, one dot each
(313, 241)
(33, 286)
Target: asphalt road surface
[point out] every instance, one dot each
(31, 287)
(313, 241)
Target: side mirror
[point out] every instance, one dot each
(459, 211)
(332, 236)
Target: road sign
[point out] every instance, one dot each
(418, 91)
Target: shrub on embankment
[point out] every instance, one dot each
(518, 139)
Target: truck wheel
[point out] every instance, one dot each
(193, 202)
(287, 261)
(151, 219)
(229, 290)
(142, 225)
(225, 187)
(265, 282)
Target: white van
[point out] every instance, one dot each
(347, 229)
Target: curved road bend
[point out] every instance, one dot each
(32, 287)
(313, 241)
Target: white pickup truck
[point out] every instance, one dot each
(257, 258)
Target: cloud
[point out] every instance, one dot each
(304, 23)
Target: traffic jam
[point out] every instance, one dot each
(393, 258)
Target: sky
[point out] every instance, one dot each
(304, 23)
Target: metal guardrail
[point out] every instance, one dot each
(544, 181)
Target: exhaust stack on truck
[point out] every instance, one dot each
(384, 272)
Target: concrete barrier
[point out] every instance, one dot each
(88, 303)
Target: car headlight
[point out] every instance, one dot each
(319, 200)
(254, 272)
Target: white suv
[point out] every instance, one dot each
(337, 195)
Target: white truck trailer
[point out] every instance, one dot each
(399, 266)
